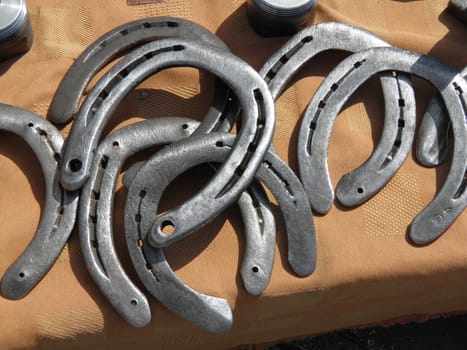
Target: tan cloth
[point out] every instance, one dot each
(367, 272)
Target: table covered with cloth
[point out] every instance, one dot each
(367, 271)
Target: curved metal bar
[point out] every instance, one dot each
(281, 67)
(432, 140)
(119, 41)
(95, 224)
(59, 211)
(301, 48)
(253, 138)
(260, 232)
(451, 200)
(160, 170)
(393, 148)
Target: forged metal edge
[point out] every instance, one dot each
(450, 201)
(432, 140)
(96, 211)
(168, 163)
(253, 139)
(118, 41)
(59, 211)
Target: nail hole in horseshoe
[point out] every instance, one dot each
(134, 302)
(360, 190)
(255, 269)
(115, 144)
(21, 275)
(185, 126)
(75, 165)
(30, 125)
(167, 227)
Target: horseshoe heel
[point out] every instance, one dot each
(432, 140)
(274, 173)
(253, 138)
(119, 41)
(259, 226)
(451, 200)
(394, 146)
(58, 215)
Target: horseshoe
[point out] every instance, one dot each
(58, 215)
(253, 138)
(95, 224)
(157, 173)
(320, 115)
(432, 145)
(119, 41)
(287, 61)
(259, 227)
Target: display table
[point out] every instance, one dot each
(367, 270)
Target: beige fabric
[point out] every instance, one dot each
(367, 272)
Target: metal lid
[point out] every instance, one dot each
(285, 8)
(12, 16)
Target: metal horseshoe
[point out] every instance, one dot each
(259, 226)
(253, 138)
(287, 61)
(158, 172)
(432, 140)
(118, 42)
(95, 224)
(58, 215)
(451, 200)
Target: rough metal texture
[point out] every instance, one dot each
(432, 141)
(96, 235)
(59, 210)
(451, 200)
(287, 61)
(253, 140)
(260, 232)
(117, 42)
(393, 148)
(174, 159)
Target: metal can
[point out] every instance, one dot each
(279, 17)
(16, 34)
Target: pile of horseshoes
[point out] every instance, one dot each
(86, 170)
